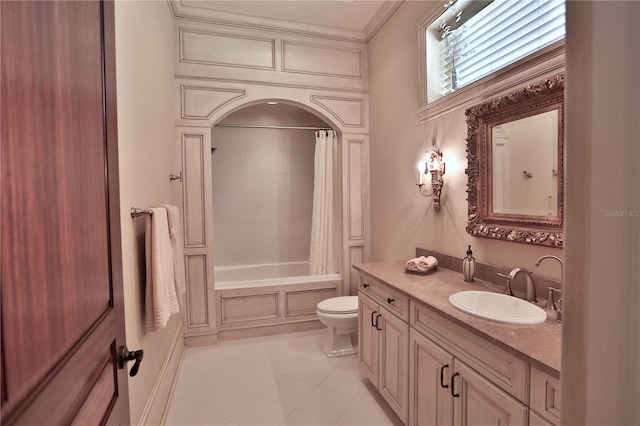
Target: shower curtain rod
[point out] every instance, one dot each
(259, 126)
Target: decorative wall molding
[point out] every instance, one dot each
(228, 19)
(322, 60)
(197, 291)
(157, 407)
(222, 49)
(349, 111)
(381, 18)
(200, 103)
(199, 312)
(249, 307)
(304, 302)
(257, 23)
(310, 87)
(355, 185)
(193, 166)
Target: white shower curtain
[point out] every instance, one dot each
(326, 228)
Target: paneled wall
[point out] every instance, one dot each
(222, 68)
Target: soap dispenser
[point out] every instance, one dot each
(469, 266)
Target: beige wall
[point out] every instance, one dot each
(601, 344)
(601, 337)
(145, 61)
(401, 218)
(263, 187)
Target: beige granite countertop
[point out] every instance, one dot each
(538, 344)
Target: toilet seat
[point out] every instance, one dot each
(339, 305)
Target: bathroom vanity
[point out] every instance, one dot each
(436, 365)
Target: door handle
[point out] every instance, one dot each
(390, 300)
(442, 376)
(379, 329)
(365, 285)
(373, 314)
(453, 385)
(126, 356)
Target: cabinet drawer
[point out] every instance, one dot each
(499, 366)
(386, 296)
(545, 395)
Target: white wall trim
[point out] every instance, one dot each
(268, 83)
(380, 19)
(157, 407)
(236, 20)
(228, 19)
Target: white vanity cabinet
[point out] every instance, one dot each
(430, 370)
(444, 390)
(434, 370)
(545, 399)
(384, 342)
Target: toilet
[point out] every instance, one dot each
(340, 315)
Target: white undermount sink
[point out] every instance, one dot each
(498, 307)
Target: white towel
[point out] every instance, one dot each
(412, 264)
(177, 246)
(422, 264)
(431, 262)
(160, 296)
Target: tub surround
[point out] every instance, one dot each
(249, 311)
(538, 345)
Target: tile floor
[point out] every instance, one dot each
(275, 380)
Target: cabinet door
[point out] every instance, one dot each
(537, 420)
(480, 402)
(394, 363)
(368, 337)
(430, 369)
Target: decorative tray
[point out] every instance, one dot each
(413, 271)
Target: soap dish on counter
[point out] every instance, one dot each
(416, 272)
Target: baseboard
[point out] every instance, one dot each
(203, 339)
(157, 407)
(268, 330)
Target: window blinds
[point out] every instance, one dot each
(498, 35)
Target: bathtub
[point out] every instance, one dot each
(255, 300)
(244, 276)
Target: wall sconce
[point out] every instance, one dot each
(436, 167)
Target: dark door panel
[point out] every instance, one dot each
(61, 269)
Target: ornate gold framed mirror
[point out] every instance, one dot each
(516, 165)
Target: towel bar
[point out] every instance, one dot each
(136, 212)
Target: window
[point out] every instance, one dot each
(473, 39)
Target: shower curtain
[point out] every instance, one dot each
(326, 228)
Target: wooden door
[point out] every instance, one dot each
(481, 403)
(393, 382)
(62, 319)
(430, 370)
(368, 337)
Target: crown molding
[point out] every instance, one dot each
(238, 20)
(183, 12)
(380, 19)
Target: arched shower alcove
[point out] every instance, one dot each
(270, 307)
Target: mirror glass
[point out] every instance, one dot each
(524, 173)
(515, 165)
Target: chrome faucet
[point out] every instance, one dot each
(551, 305)
(550, 256)
(531, 286)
